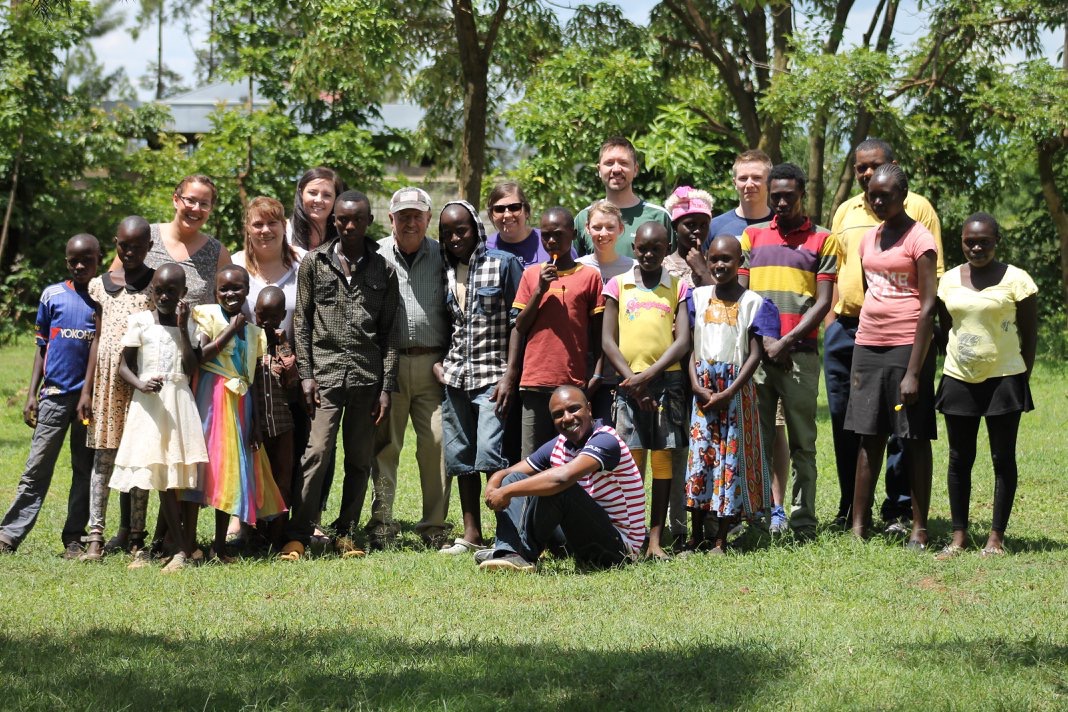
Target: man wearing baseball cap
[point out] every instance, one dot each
(422, 336)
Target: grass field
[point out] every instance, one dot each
(831, 624)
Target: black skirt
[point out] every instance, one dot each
(994, 396)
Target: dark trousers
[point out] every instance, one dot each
(962, 432)
(527, 526)
(838, 342)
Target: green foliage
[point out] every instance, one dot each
(19, 289)
(575, 101)
(679, 150)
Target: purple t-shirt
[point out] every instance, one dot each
(528, 250)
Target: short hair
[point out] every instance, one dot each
(618, 142)
(271, 293)
(788, 171)
(135, 225)
(198, 178)
(985, 219)
(502, 189)
(560, 210)
(570, 388)
(233, 268)
(266, 207)
(753, 155)
(876, 144)
(168, 268)
(606, 207)
(895, 173)
(86, 239)
(302, 224)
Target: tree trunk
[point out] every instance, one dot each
(817, 146)
(1047, 150)
(159, 52)
(11, 198)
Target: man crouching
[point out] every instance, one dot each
(584, 481)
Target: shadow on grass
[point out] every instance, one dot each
(108, 669)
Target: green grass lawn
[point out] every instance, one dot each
(834, 623)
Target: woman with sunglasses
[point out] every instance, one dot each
(181, 240)
(509, 211)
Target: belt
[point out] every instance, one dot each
(420, 351)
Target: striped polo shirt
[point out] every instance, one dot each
(786, 267)
(617, 486)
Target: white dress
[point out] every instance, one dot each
(163, 441)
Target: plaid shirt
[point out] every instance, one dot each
(422, 320)
(478, 352)
(344, 331)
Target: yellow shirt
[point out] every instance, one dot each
(851, 221)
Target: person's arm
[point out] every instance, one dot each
(1027, 328)
(497, 477)
(303, 319)
(925, 273)
(210, 348)
(224, 257)
(779, 350)
(698, 268)
(127, 368)
(387, 344)
(185, 345)
(84, 409)
(610, 338)
(529, 314)
(29, 411)
(504, 392)
(674, 353)
(545, 483)
(701, 394)
(945, 323)
(831, 316)
(722, 399)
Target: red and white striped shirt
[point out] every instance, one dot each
(617, 487)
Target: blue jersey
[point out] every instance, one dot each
(730, 223)
(65, 327)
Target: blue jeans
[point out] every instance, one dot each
(838, 342)
(472, 432)
(528, 524)
(55, 415)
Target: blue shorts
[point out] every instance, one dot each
(662, 429)
(472, 433)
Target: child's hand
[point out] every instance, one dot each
(29, 411)
(84, 409)
(183, 314)
(238, 323)
(152, 385)
(716, 401)
(547, 275)
(910, 389)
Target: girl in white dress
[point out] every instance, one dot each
(163, 442)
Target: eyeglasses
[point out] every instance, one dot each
(502, 208)
(193, 203)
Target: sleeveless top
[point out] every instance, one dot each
(200, 267)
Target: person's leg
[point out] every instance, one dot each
(677, 499)
(103, 466)
(81, 465)
(359, 453)
(799, 389)
(780, 461)
(139, 517)
(1002, 431)
(53, 420)
(389, 439)
(280, 454)
(511, 520)
(961, 432)
(589, 531)
(322, 440)
(121, 540)
(426, 397)
(222, 525)
(838, 342)
(537, 423)
(661, 492)
(897, 505)
(918, 459)
(869, 462)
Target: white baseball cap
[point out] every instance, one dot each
(410, 199)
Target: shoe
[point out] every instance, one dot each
(93, 553)
(484, 555)
(778, 521)
(948, 552)
(348, 549)
(292, 551)
(916, 545)
(435, 542)
(460, 546)
(899, 527)
(6, 548)
(73, 551)
(508, 562)
(140, 560)
(119, 542)
(220, 557)
(177, 563)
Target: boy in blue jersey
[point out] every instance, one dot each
(65, 330)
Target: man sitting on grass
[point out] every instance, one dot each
(584, 481)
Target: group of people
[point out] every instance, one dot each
(555, 361)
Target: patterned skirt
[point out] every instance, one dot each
(727, 471)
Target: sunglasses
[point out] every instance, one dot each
(502, 208)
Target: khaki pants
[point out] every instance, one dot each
(419, 398)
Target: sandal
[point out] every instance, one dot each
(989, 551)
(460, 546)
(948, 552)
(292, 551)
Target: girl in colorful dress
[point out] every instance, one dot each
(237, 478)
(120, 294)
(162, 445)
(989, 309)
(728, 475)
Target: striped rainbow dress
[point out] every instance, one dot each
(237, 479)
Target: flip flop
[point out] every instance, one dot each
(460, 546)
(948, 552)
(292, 551)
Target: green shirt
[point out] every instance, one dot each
(633, 218)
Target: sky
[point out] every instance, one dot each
(118, 49)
